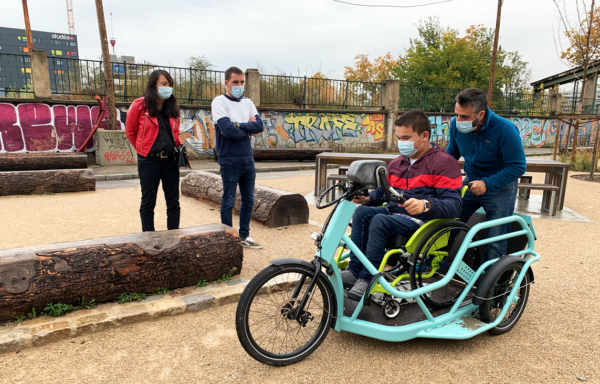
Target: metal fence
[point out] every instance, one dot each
(15, 76)
(572, 105)
(286, 91)
(432, 99)
(427, 99)
(86, 77)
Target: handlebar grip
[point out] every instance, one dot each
(398, 197)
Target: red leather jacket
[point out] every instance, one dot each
(142, 129)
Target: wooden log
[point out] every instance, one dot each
(40, 182)
(291, 154)
(42, 161)
(102, 269)
(272, 207)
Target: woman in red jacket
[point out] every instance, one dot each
(152, 126)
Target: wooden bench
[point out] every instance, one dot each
(548, 204)
(524, 193)
(333, 179)
(343, 170)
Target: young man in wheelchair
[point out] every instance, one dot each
(429, 179)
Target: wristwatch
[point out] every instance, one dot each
(427, 206)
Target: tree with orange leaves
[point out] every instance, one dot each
(378, 70)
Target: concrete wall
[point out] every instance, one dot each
(38, 127)
(41, 127)
(534, 132)
(342, 132)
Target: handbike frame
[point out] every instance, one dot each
(335, 234)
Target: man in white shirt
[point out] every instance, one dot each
(236, 119)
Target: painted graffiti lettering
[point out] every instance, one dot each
(33, 127)
(292, 130)
(119, 156)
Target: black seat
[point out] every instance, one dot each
(396, 242)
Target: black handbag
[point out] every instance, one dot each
(181, 157)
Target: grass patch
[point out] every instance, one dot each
(127, 297)
(583, 161)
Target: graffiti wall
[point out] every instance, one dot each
(44, 128)
(534, 132)
(342, 132)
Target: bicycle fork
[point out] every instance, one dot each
(298, 314)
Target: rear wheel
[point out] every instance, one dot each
(266, 321)
(432, 259)
(497, 296)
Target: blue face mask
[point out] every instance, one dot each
(165, 92)
(407, 148)
(237, 91)
(467, 126)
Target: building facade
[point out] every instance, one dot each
(15, 70)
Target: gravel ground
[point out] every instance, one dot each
(556, 340)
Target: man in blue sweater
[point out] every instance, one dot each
(236, 119)
(494, 161)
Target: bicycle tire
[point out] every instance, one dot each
(496, 298)
(256, 288)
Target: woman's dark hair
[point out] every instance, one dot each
(415, 119)
(170, 106)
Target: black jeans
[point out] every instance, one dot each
(152, 171)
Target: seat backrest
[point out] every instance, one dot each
(364, 172)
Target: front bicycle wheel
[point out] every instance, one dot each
(267, 323)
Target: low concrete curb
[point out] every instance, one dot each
(45, 329)
(183, 173)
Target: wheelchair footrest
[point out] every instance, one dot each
(462, 328)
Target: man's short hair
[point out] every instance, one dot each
(231, 71)
(473, 96)
(415, 119)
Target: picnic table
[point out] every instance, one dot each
(556, 172)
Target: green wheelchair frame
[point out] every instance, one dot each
(341, 258)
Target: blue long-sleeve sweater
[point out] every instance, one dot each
(232, 129)
(494, 155)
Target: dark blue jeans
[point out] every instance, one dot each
(497, 204)
(233, 175)
(371, 229)
(152, 171)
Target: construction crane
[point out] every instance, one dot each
(70, 17)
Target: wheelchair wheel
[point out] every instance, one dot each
(432, 258)
(263, 323)
(496, 299)
(391, 308)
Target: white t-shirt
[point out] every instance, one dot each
(412, 161)
(237, 111)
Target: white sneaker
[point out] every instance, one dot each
(250, 243)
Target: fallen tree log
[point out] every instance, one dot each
(102, 269)
(289, 154)
(272, 207)
(42, 161)
(52, 181)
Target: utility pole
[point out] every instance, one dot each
(110, 95)
(27, 27)
(494, 55)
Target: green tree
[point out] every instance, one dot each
(442, 58)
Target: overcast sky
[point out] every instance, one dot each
(298, 37)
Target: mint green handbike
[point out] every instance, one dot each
(286, 310)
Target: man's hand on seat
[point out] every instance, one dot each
(478, 187)
(363, 200)
(414, 206)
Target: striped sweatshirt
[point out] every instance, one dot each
(435, 177)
